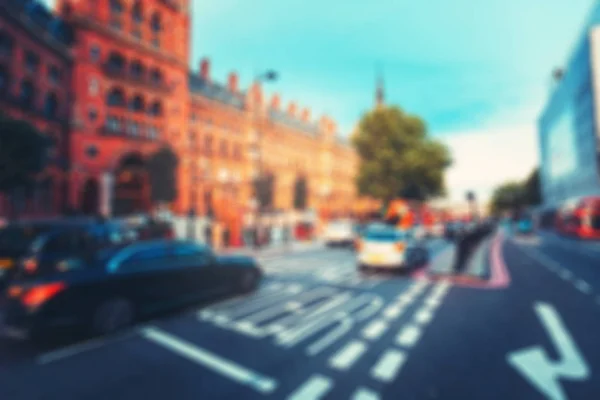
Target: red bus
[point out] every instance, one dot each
(580, 217)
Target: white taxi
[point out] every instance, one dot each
(389, 248)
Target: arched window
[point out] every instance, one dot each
(137, 12)
(26, 95)
(156, 108)
(137, 70)
(115, 98)
(116, 62)
(4, 80)
(6, 44)
(50, 105)
(155, 23)
(156, 76)
(137, 103)
(116, 7)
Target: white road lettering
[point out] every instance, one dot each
(365, 394)
(541, 371)
(314, 389)
(211, 361)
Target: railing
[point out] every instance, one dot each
(146, 82)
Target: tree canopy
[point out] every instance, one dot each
(397, 158)
(514, 195)
(23, 153)
(162, 168)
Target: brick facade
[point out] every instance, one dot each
(132, 93)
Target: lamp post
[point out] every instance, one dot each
(267, 76)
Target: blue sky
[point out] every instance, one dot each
(476, 71)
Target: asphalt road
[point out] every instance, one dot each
(318, 329)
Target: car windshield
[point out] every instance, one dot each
(386, 236)
(20, 238)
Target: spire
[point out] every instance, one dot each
(380, 94)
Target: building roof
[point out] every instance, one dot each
(214, 91)
(43, 18)
(284, 118)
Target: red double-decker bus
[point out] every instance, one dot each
(580, 217)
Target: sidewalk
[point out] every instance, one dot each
(275, 250)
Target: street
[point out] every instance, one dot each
(319, 329)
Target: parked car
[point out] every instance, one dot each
(107, 290)
(45, 242)
(339, 233)
(390, 248)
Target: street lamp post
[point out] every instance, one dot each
(267, 76)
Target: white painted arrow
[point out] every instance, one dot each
(544, 373)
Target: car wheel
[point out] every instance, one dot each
(248, 281)
(112, 316)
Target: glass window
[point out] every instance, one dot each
(148, 254)
(93, 86)
(62, 243)
(32, 61)
(92, 114)
(95, 53)
(54, 74)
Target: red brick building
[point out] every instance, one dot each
(35, 66)
(131, 93)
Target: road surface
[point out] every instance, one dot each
(319, 329)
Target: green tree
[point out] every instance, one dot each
(397, 158)
(300, 193)
(508, 196)
(23, 154)
(162, 168)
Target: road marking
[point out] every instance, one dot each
(211, 361)
(583, 286)
(375, 329)
(540, 369)
(409, 336)
(393, 311)
(82, 347)
(565, 274)
(365, 394)
(424, 315)
(348, 355)
(315, 388)
(388, 365)
(345, 326)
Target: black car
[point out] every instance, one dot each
(453, 230)
(107, 290)
(45, 242)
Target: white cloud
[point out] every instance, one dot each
(486, 158)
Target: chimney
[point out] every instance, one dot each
(305, 116)
(233, 82)
(292, 108)
(275, 101)
(205, 69)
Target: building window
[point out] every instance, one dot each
(156, 109)
(137, 12)
(93, 87)
(137, 104)
(32, 61)
(116, 98)
(95, 53)
(156, 76)
(26, 95)
(92, 114)
(155, 23)
(3, 80)
(54, 74)
(208, 144)
(223, 149)
(116, 63)
(50, 106)
(116, 11)
(193, 117)
(6, 44)
(156, 43)
(137, 70)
